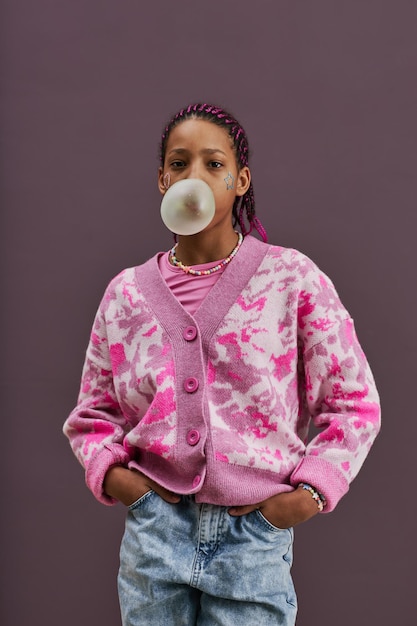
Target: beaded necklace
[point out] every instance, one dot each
(189, 270)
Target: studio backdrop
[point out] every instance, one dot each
(326, 91)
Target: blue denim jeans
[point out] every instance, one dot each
(194, 564)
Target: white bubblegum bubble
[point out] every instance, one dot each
(188, 206)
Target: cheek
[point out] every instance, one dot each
(229, 181)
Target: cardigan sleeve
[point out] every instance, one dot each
(96, 427)
(339, 392)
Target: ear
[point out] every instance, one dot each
(161, 185)
(243, 181)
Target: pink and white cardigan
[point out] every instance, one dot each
(219, 404)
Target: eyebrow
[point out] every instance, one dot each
(204, 151)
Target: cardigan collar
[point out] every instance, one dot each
(215, 305)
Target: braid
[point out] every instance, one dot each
(244, 207)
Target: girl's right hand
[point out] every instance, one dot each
(129, 485)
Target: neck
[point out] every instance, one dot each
(205, 247)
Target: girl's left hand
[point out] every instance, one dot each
(283, 510)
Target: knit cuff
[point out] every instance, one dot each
(324, 477)
(102, 461)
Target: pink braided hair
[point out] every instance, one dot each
(243, 207)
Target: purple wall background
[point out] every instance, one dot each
(327, 92)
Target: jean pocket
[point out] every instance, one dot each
(140, 501)
(266, 523)
(265, 533)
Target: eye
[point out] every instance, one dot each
(178, 164)
(215, 164)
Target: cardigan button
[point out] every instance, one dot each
(193, 437)
(191, 384)
(189, 333)
(196, 481)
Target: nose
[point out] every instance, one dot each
(196, 171)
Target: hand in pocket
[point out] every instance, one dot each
(129, 485)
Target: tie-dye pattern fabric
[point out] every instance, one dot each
(219, 404)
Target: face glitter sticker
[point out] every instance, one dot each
(229, 180)
(167, 180)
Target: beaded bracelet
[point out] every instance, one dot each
(320, 500)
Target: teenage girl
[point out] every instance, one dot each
(205, 366)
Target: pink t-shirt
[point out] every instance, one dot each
(190, 290)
